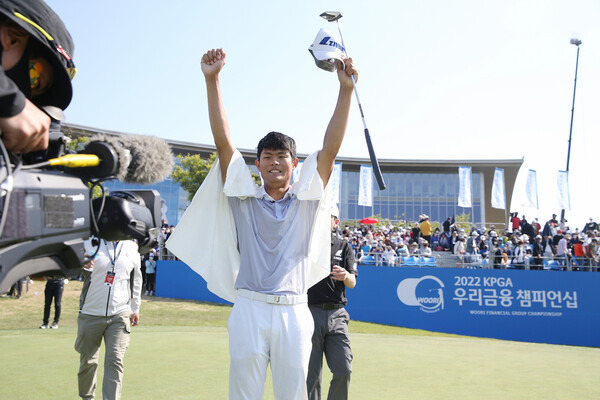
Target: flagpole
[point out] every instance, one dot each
(505, 203)
(575, 42)
(472, 205)
(505, 214)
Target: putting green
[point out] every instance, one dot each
(192, 363)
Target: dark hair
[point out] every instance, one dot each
(276, 141)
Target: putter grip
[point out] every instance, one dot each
(374, 162)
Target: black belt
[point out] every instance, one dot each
(327, 306)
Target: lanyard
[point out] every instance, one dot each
(115, 246)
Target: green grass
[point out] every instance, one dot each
(180, 351)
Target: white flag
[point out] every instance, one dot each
(498, 194)
(531, 191)
(365, 184)
(464, 191)
(562, 185)
(336, 182)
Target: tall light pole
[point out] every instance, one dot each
(577, 43)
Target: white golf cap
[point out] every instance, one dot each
(325, 49)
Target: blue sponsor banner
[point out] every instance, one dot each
(532, 306)
(557, 307)
(174, 279)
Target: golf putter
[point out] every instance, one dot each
(335, 16)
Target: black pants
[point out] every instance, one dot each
(16, 289)
(150, 282)
(54, 290)
(330, 337)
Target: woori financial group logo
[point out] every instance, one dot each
(425, 292)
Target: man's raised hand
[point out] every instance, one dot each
(346, 72)
(212, 62)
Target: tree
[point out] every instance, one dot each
(463, 221)
(191, 172)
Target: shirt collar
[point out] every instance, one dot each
(262, 194)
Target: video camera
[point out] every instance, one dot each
(47, 211)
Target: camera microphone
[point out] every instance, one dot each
(130, 158)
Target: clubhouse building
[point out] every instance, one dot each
(413, 187)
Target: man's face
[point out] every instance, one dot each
(14, 41)
(276, 167)
(334, 222)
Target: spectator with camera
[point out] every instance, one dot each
(150, 275)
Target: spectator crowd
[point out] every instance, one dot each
(524, 245)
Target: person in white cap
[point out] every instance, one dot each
(273, 242)
(472, 247)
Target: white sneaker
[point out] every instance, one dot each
(43, 326)
(146, 294)
(54, 325)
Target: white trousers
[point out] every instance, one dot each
(260, 333)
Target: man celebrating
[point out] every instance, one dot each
(326, 301)
(269, 243)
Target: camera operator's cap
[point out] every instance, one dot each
(44, 26)
(326, 48)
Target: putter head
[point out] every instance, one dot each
(331, 15)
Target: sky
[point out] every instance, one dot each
(439, 79)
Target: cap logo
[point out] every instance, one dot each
(61, 51)
(327, 41)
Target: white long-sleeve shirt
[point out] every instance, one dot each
(562, 248)
(100, 299)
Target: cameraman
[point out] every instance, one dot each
(35, 51)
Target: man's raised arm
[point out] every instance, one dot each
(212, 63)
(336, 129)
